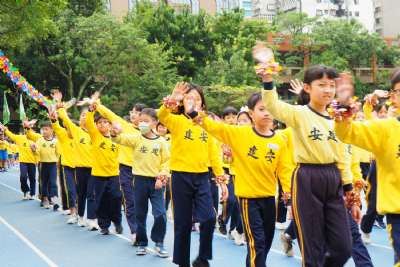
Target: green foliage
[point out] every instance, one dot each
(220, 96)
(79, 47)
(24, 21)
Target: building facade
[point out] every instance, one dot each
(385, 15)
(361, 10)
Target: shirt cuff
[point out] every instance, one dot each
(268, 86)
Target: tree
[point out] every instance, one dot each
(185, 37)
(24, 21)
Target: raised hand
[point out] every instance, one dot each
(57, 95)
(381, 93)
(29, 124)
(116, 129)
(296, 86)
(53, 116)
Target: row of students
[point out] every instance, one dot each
(319, 182)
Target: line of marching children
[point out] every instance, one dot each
(319, 163)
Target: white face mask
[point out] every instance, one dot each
(144, 127)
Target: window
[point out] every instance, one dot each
(350, 13)
(319, 1)
(271, 7)
(319, 12)
(356, 2)
(333, 12)
(356, 13)
(326, 11)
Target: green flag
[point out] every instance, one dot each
(6, 110)
(22, 114)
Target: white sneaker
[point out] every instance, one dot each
(287, 244)
(46, 204)
(66, 212)
(82, 222)
(92, 225)
(72, 219)
(366, 238)
(231, 234)
(280, 226)
(25, 197)
(31, 197)
(240, 239)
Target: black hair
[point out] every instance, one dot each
(380, 105)
(245, 113)
(150, 112)
(45, 124)
(303, 98)
(395, 78)
(160, 124)
(139, 107)
(229, 111)
(199, 90)
(317, 72)
(84, 109)
(253, 100)
(98, 117)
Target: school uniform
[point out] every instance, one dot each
(68, 156)
(318, 183)
(191, 150)
(150, 159)
(381, 137)
(260, 161)
(46, 149)
(125, 166)
(83, 166)
(105, 170)
(28, 161)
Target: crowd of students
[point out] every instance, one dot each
(310, 168)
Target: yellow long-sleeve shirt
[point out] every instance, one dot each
(66, 145)
(125, 152)
(4, 145)
(313, 134)
(104, 150)
(150, 156)
(381, 137)
(13, 148)
(26, 155)
(191, 147)
(82, 142)
(288, 135)
(259, 159)
(215, 157)
(46, 149)
(355, 163)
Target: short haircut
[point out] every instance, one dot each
(150, 112)
(229, 111)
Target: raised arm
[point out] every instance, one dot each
(61, 133)
(166, 117)
(281, 110)
(12, 136)
(111, 116)
(367, 135)
(32, 135)
(74, 129)
(130, 140)
(223, 132)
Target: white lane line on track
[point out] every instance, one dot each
(28, 243)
